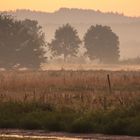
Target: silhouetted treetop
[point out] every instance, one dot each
(66, 41)
(102, 43)
(21, 43)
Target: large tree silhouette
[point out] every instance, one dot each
(102, 43)
(66, 41)
(21, 43)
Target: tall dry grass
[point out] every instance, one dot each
(76, 89)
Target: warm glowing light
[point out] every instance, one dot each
(128, 7)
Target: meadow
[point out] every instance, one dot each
(71, 101)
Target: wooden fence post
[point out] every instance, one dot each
(109, 83)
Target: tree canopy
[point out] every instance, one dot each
(21, 43)
(102, 43)
(66, 41)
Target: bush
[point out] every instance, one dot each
(30, 123)
(8, 123)
(81, 125)
(117, 126)
(134, 126)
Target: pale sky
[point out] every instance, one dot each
(128, 7)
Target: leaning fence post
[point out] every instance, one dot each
(109, 83)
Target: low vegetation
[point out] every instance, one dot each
(71, 101)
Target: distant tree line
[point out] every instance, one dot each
(22, 43)
(100, 42)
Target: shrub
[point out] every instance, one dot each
(30, 123)
(134, 126)
(81, 125)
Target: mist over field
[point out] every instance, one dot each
(72, 71)
(127, 28)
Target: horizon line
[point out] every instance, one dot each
(86, 9)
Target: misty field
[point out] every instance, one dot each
(71, 101)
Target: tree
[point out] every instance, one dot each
(101, 43)
(66, 41)
(21, 43)
(31, 53)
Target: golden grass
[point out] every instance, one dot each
(78, 90)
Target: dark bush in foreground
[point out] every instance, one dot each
(81, 125)
(117, 121)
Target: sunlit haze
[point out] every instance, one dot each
(128, 7)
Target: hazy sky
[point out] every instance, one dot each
(128, 7)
